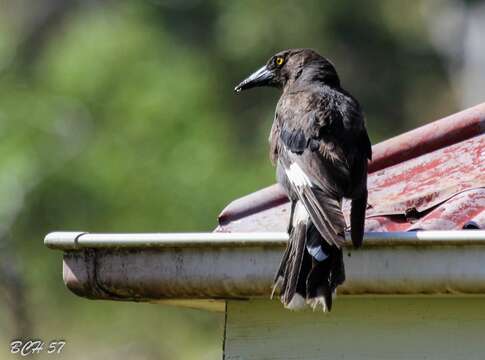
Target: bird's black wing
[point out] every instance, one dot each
(324, 156)
(311, 178)
(359, 150)
(321, 202)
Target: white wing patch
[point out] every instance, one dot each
(297, 176)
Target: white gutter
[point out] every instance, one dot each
(83, 240)
(158, 267)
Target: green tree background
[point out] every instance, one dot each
(120, 117)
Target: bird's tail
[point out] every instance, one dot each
(291, 275)
(326, 273)
(310, 270)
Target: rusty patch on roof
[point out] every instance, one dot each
(421, 183)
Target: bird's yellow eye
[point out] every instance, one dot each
(279, 61)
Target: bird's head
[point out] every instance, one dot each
(288, 66)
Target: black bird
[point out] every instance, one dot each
(320, 147)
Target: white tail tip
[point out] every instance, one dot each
(297, 303)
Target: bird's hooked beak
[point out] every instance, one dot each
(262, 77)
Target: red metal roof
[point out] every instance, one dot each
(430, 178)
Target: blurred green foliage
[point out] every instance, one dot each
(120, 117)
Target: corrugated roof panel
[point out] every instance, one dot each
(454, 213)
(423, 182)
